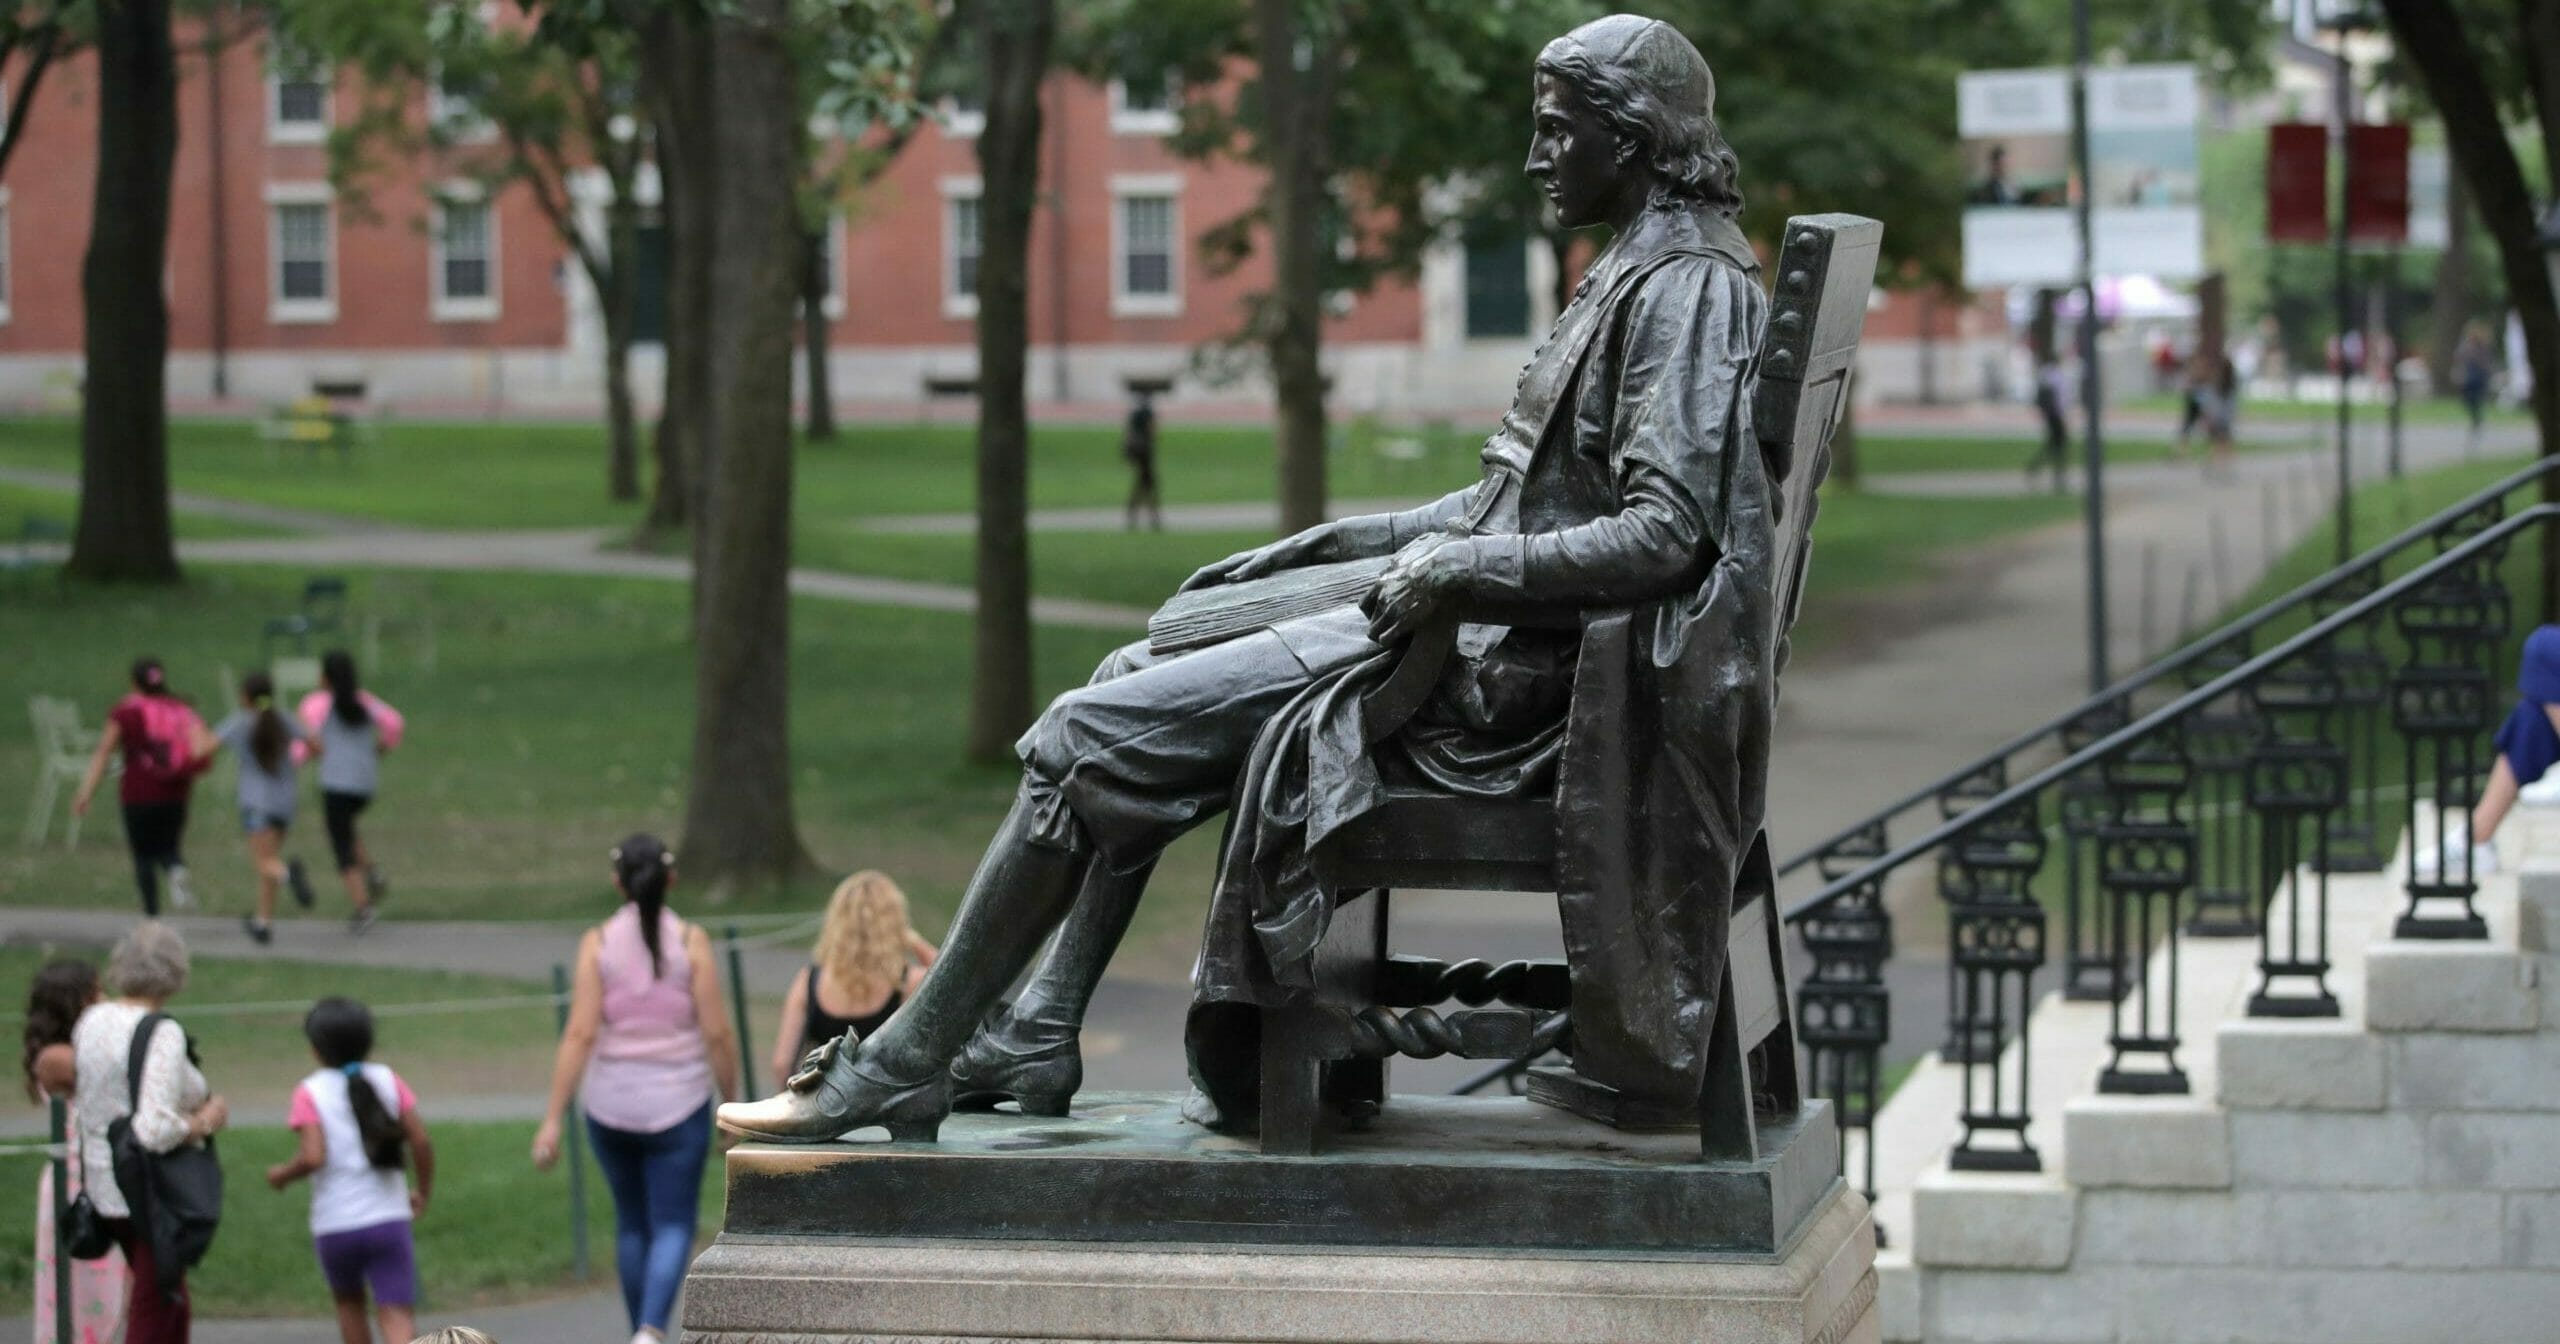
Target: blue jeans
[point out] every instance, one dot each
(656, 1181)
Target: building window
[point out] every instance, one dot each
(465, 258)
(960, 244)
(1145, 264)
(1144, 104)
(1497, 286)
(304, 248)
(297, 97)
(453, 111)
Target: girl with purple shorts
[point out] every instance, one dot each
(360, 1132)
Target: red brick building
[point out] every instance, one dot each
(428, 296)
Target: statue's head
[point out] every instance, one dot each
(1625, 110)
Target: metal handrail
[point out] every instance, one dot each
(2175, 710)
(2175, 663)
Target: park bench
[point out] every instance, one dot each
(315, 422)
(1326, 1056)
(60, 761)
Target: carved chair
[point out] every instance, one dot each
(1325, 1060)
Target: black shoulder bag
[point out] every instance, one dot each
(176, 1196)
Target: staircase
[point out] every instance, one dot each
(2391, 1174)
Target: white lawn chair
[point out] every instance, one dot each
(294, 677)
(61, 759)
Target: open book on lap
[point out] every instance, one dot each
(1206, 616)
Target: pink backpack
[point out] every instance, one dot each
(167, 752)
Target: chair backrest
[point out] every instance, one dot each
(1826, 267)
(324, 602)
(294, 676)
(55, 723)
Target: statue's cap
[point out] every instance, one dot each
(1655, 56)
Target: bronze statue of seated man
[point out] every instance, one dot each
(1624, 489)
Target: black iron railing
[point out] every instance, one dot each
(2224, 809)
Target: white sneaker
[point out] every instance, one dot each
(2429, 862)
(2543, 792)
(182, 893)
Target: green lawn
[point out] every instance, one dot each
(556, 720)
(21, 504)
(496, 1231)
(497, 1047)
(1888, 454)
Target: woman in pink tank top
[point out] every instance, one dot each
(648, 1043)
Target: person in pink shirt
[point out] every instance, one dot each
(360, 1136)
(648, 1043)
(353, 728)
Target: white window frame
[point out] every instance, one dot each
(1167, 186)
(962, 123)
(441, 306)
(832, 302)
(279, 308)
(282, 132)
(8, 270)
(1165, 120)
(956, 302)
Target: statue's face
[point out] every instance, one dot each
(1576, 156)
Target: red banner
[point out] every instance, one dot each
(2378, 183)
(2297, 182)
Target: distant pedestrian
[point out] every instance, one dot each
(2217, 392)
(263, 738)
(2053, 389)
(354, 728)
(2476, 370)
(164, 746)
(63, 990)
(648, 1044)
(1138, 445)
(359, 1133)
(868, 958)
(172, 1108)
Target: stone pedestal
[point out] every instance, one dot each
(1464, 1221)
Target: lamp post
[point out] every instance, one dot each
(2091, 389)
(2345, 23)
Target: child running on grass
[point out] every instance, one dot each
(264, 738)
(359, 1127)
(354, 729)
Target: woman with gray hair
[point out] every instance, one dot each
(172, 1107)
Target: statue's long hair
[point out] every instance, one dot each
(1689, 157)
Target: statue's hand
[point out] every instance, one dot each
(1305, 548)
(1418, 582)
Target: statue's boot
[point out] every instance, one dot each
(1027, 1051)
(901, 1077)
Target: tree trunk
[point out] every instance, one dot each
(739, 829)
(675, 69)
(1014, 48)
(2450, 310)
(617, 298)
(813, 338)
(124, 530)
(1295, 102)
(2430, 33)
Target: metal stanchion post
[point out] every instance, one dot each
(738, 1002)
(61, 1216)
(572, 1134)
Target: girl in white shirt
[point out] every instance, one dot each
(360, 1133)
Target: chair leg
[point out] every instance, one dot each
(40, 816)
(1727, 1129)
(71, 827)
(1292, 1084)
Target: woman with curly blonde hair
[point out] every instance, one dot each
(867, 960)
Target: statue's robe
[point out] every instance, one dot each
(1627, 487)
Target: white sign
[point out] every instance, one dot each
(2020, 187)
